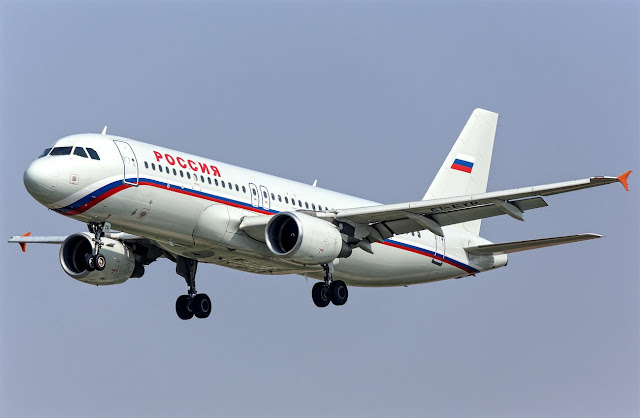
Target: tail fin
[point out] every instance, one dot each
(466, 169)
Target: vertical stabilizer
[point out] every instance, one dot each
(466, 169)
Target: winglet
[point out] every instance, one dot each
(23, 245)
(623, 179)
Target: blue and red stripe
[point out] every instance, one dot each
(462, 165)
(93, 198)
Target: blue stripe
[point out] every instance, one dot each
(464, 163)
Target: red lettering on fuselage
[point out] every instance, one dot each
(193, 165)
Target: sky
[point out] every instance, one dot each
(368, 98)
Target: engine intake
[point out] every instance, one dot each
(121, 263)
(305, 239)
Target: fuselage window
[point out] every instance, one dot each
(209, 180)
(167, 170)
(153, 166)
(326, 208)
(230, 186)
(175, 173)
(254, 192)
(201, 178)
(160, 168)
(244, 189)
(313, 206)
(146, 164)
(264, 194)
(299, 202)
(181, 173)
(188, 175)
(273, 197)
(61, 151)
(93, 154)
(418, 234)
(286, 199)
(45, 153)
(279, 198)
(237, 188)
(215, 181)
(222, 182)
(79, 151)
(306, 204)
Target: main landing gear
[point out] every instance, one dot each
(95, 260)
(193, 303)
(329, 291)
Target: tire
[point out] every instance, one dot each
(100, 262)
(320, 295)
(201, 305)
(338, 293)
(182, 308)
(89, 262)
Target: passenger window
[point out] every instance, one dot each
(61, 151)
(153, 166)
(160, 168)
(188, 175)
(45, 153)
(209, 180)
(181, 173)
(418, 234)
(254, 192)
(222, 182)
(264, 194)
(237, 188)
(215, 181)
(313, 206)
(146, 164)
(167, 170)
(175, 173)
(79, 151)
(201, 178)
(286, 199)
(244, 190)
(230, 186)
(306, 204)
(93, 154)
(299, 202)
(279, 198)
(273, 197)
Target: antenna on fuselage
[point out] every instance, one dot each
(315, 182)
(104, 131)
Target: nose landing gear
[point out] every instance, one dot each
(95, 260)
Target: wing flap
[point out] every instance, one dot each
(516, 246)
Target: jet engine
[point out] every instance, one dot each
(305, 239)
(120, 261)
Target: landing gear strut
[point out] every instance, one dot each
(95, 260)
(193, 303)
(329, 291)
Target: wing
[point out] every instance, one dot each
(380, 222)
(25, 239)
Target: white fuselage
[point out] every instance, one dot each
(192, 206)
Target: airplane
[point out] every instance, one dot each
(142, 202)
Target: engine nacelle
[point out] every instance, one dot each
(121, 263)
(305, 239)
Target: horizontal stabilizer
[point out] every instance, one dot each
(512, 247)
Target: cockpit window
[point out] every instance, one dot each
(93, 154)
(80, 151)
(61, 151)
(45, 153)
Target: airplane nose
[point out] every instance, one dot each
(40, 179)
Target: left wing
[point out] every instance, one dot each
(384, 221)
(25, 239)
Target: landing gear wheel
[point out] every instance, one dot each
(338, 293)
(100, 262)
(182, 307)
(89, 262)
(201, 305)
(320, 295)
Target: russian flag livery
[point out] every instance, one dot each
(463, 163)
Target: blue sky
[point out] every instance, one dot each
(368, 98)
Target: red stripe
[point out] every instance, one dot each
(414, 250)
(461, 168)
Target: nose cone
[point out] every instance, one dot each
(40, 180)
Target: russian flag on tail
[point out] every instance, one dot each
(463, 163)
